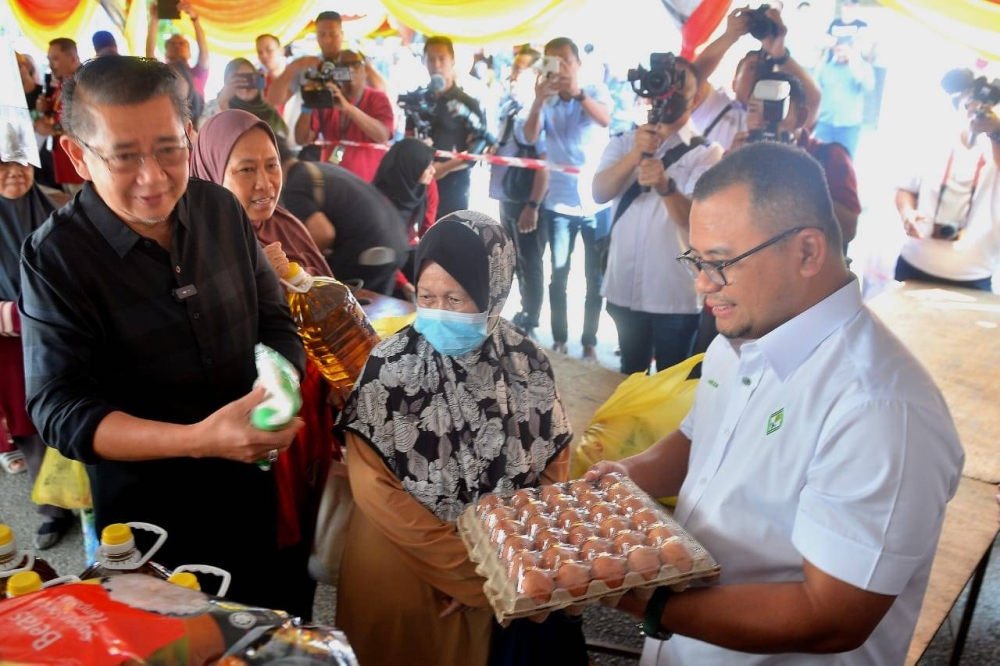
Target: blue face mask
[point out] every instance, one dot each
(451, 333)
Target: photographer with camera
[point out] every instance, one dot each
(177, 47)
(721, 117)
(338, 104)
(569, 123)
(243, 89)
(949, 205)
(652, 300)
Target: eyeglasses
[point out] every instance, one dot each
(130, 163)
(713, 269)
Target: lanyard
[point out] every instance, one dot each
(972, 191)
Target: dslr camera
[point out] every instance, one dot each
(760, 24)
(315, 95)
(418, 107)
(775, 97)
(663, 83)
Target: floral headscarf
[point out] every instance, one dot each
(454, 428)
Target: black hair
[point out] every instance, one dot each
(65, 44)
(117, 80)
(528, 51)
(562, 42)
(268, 35)
(787, 187)
(440, 40)
(329, 16)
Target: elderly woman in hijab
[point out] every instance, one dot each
(455, 406)
(243, 89)
(406, 177)
(238, 151)
(23, 208)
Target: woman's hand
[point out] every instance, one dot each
(599, 469)
(277, 258)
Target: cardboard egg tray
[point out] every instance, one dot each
(508, 604)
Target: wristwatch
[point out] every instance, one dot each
(671, 188)
(654, 612)
(582, 96)
(532, 204)
(783, 59)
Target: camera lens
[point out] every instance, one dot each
(947, 231)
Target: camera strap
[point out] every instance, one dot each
(669, 157)
(972, 190)
(722, 114)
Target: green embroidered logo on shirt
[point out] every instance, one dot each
(775, 421)
(713, 383)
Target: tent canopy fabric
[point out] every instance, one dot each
(973, 23)
(41, 21)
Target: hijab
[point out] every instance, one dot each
(18, 219)
(454, 428)
(208, 161)
(398, 178)
(257, 106)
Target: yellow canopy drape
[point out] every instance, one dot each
(44, 20)
(481, 21)
(973, 23)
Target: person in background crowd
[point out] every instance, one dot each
(63, 63)
(818, 457)
(568, 121)
(406, 177)
(949, 202)
(720, 118)
(520, 218)
(141, 303)
(272, 60)
(104, 43)
(23, 208)
(330, 39)
(408, 592)
(237, 150)
(352, 223)
(458, 123)
(31, 78)
(844, 80)
(196, 103)
(241, 91)
(652, 301)
(359, 113)
(178, 48)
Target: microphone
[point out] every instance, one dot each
(438, 83)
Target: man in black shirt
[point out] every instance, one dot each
(361, 233)
(458, 123)
(142, 300)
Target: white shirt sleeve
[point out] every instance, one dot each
(876, 492)
(522, 118)
(687, 170)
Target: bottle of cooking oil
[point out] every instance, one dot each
(335, 330)
(118, 554)
(14, 561)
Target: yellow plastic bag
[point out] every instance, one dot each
(642, 410)
(62, 482)
(386, 326)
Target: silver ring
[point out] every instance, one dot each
(272, 455)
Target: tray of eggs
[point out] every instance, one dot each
(546, 548)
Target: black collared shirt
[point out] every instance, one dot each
(105, 329)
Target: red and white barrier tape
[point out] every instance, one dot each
(524, 162)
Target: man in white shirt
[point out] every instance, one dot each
(652, 299)
(817, 460)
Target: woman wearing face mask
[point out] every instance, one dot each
(241, 92)
(238, 151)
(455, 406)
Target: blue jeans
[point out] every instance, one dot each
(845, 136)
(645, 336)
(907, 271)
(563, 230)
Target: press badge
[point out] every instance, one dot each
(336, 155)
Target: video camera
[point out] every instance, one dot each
(958, 82)
(315, 94)
(418, 106)
(663, 83)
(775, 98)
(760, 24)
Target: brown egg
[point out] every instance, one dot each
(644, 519)
(644, 560)
(521, 561)
(554, 557)
(626, 541)
(658, 534)
(495, 515)
(487, 502)
(612, 526)
(546, 492)
(537, 584)
(549, 537)
(602, 511)
(594, 546)
(523, 496)
(633, 504)
(568, 518)
(559, 503)
(575, 577)
(531, 508)
(617, 493)
(610, 569)
(516, 544)
(675, 553)
(538, 523)
(580, 532)
(609, 480)
(578, 487)
(589, 499)
(505, 528)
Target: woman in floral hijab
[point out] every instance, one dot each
(455, 406)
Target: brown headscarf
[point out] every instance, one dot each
(209, 157)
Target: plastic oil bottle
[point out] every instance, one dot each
(14, 561)
(119, 555)
(334, 328)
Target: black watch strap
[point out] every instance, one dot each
(654, 611)
(532, 204)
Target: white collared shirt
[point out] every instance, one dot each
(642, 273)
(825, 440)
(730, 124)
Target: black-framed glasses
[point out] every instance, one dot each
(129, 163)
(713, 269)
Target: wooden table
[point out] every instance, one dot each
(955, 333)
